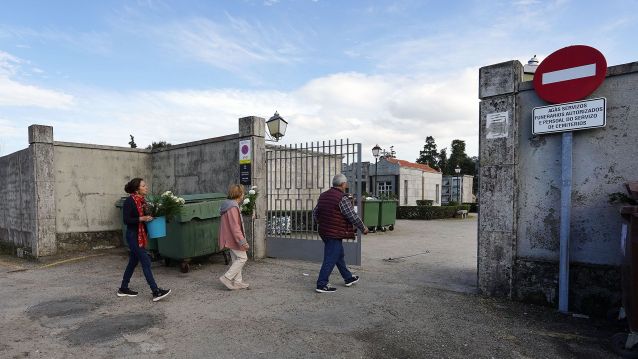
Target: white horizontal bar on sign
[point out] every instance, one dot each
(571, 73)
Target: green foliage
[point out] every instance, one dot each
(250, 200)
(428, 212)
(619, 197)
(473, 207)
(443, 162)
(429, 155)
(158, 145)
(424, 202)
(165, 204)
(388, 196)
(132, 142)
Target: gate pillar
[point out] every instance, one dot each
(254, 129)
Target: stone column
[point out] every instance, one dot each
(498, 153)
(41, 147)
(254, 128)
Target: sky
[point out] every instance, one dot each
(375, 72)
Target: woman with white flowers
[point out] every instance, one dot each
(233, 237)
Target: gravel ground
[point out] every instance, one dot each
(423, 306)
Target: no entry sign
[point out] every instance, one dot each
(570, 74)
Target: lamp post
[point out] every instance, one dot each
(276, 127)
(375, 152)
(458, 184)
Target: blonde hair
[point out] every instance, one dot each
(235, 191)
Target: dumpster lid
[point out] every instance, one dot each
(201, 197)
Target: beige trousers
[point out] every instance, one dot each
(239, 259)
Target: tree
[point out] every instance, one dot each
(132, 142)
(429, 155)
(158, 145)
(443, 162)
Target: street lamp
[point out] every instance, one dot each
(375, 152)
(458, 184)
(276, 126)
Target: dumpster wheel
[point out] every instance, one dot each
(618, 342)
(391, 227)
(383, 229)
(184, 267)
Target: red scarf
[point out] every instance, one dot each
(140, 202)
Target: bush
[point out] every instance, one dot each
(429, 212)
(473, 207)
(424, 202)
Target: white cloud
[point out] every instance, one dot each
(231, 46)
(15, 93)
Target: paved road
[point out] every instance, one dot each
(398, 310)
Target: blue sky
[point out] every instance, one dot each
(386, 72)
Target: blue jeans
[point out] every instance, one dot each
(137, 255)
(333, 254)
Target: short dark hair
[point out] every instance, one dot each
(133, 185)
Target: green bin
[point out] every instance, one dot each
(194, 231)
(388, 214)
(151, 243)
(371, 213)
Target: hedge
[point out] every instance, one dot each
(427, 212)
(473, 207)
(424, 202)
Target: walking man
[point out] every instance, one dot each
(336, 219)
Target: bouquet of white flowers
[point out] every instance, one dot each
(248, 206)
(166, 204)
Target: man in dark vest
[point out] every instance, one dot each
(336, 219)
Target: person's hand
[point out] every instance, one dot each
(366, 231)
(146, 218)
(245, 246)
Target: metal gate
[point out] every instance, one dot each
(296, 175)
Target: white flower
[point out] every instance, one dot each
(252, 191)
(182, 201)
(167, 193)
(253, 187)
(246, 200)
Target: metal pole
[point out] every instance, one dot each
(565, 213)
(375, 178)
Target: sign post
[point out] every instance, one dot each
(245, 162)
(569, 74)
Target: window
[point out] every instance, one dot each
(436, 199)
(384, 188)
(405, 192)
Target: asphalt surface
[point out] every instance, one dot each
(416, 299)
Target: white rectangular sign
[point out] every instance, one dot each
(496, 125)
(570, 116)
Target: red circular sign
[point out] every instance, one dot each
(570, 74)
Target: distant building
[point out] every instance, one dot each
(405, 181)
(458, 189)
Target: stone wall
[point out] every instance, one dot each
(520, 192)
(17, 192)
(89, 180)
(205, 166)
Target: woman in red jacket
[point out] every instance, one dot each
(136, 238)
(233, 237)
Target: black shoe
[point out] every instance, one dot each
(125, 292)
(326, 289)
(351, 281)
(160, 293)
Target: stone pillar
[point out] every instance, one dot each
(41, 147)
(255, 128)
(498, 153)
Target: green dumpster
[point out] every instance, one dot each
(151, 244)
(194, 231)
(388, 214)
(371, 213)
